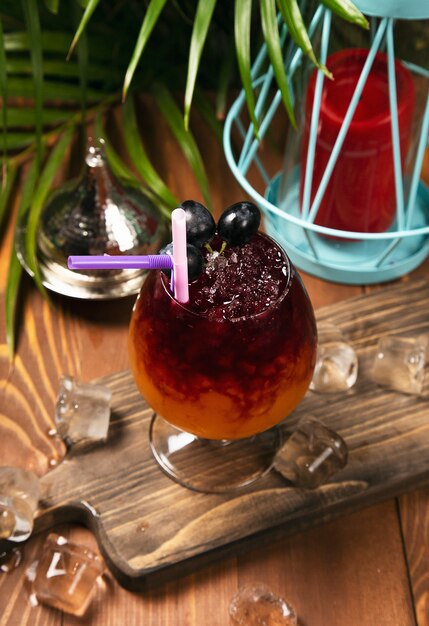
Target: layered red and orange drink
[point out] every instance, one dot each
(239, 355)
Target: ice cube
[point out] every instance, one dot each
(19, 498)
(65, 575)
(9, 561)
(311, 455)
(400, 363)
(82, 411)
(257, 605)
(336, 367)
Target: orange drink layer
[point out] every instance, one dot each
(238, 357)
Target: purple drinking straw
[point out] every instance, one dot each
(134, 262)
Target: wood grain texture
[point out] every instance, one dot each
(146, 539)
(334, 590)
(204, 597)
(333, 573)
(414, 515)
(414, 506)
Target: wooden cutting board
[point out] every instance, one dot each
(150, 529)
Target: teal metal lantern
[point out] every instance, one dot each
(349, 204)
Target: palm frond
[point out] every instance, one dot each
(292, 17)
(53, 42)
(47, 176)
(3, 88)
(52, 5)
(15, 268)
(70, 93)
(18, 140)
(17, 117)
(202, 21)
(140, 158)
(33, 27)
(225, 79)
(121, 169)
(242, 25)
(82, 55)
(8, 178)
(174, 118)
(152, 14)
(272, 39)
(89, 10)
(208, 113)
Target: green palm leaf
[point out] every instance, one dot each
(53, 165)
(89, 10)
(140, 158)
(202, 21)
(8, 178)
(19, 117)
(15, 141)
(242, 23)
(118, 166)
(292, 17)
(24, 88)
(3, 87)
(186, 141)
(225, 75)
(272, 39)
(53, 42)
(52, 5)
(347, 11)
(15, 268)
(208, 113)
(33, 27)
(82, 56)
(62, 69)
(121, 170)
(152, 13)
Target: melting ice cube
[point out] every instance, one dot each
(65, 575)
(82, 410)
(336, 362)
(19, 498)
(400, 363)
(311, 455)
(257, 605)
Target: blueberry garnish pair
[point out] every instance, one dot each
(236, 226)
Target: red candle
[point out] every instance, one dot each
(361, 193)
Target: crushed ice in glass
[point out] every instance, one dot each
(400, 363)
(311, 455)
(257, 605)
(336, 367)
(19, 498)
(82, 412)
(65, 576)
(240, 281)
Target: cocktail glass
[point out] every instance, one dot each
(220, 384)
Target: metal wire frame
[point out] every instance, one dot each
(262, 78)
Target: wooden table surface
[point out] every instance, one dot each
(367, 569)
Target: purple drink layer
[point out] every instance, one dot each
(241, 281)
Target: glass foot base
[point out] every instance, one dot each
(211, 466)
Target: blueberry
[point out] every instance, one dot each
(239, 223)
(200, 225)
(195, 260)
